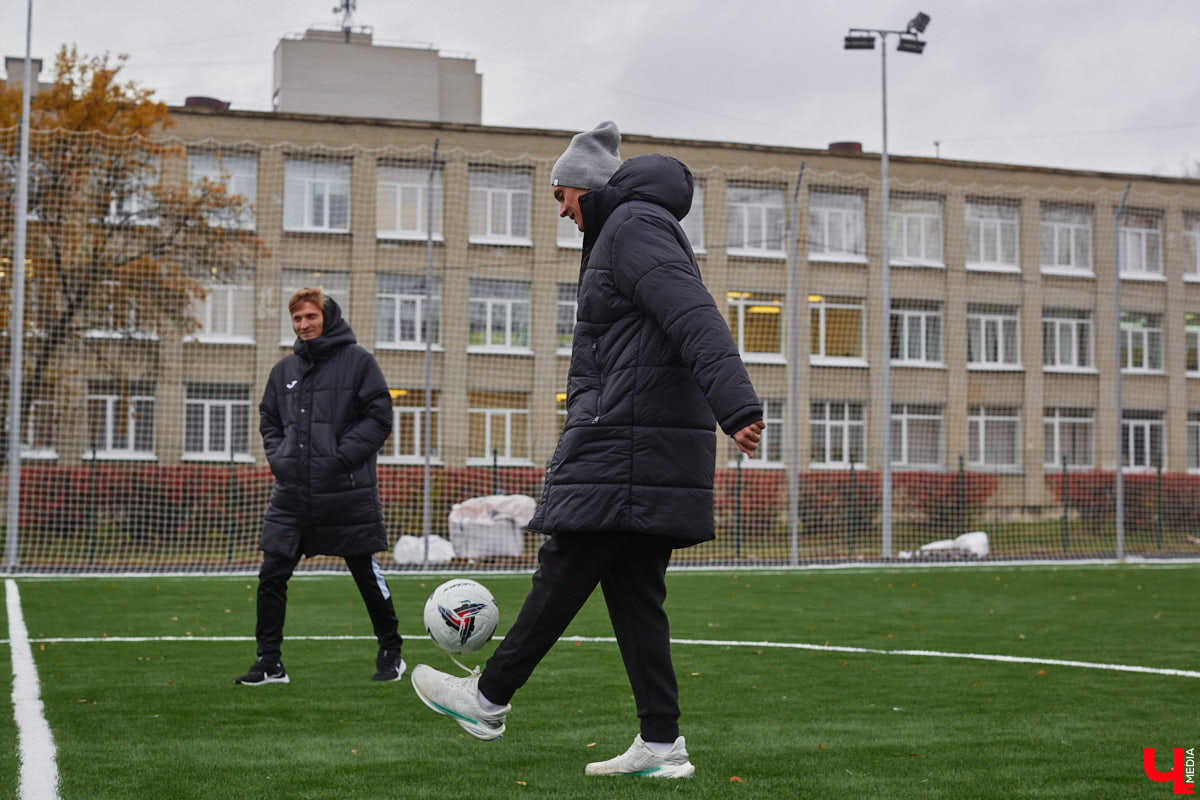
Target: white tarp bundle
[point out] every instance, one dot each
(411, 550)
(973, 544)
(492, 525)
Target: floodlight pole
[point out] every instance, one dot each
(427, 421)
(917, 25)
(17, 326)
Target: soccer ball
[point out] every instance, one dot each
(461, 616)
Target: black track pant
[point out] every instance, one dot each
(272, 600)
(631, 571)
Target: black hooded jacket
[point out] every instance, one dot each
(324, 415)
(654, 369)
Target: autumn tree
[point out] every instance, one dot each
(119, 240)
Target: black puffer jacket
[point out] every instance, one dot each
(323, 417)
(652, 363)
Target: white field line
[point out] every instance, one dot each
(35, 748)
(825, 648)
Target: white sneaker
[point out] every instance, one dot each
(640, 761)
(458, 698)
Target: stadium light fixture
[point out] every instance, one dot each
(909, 41)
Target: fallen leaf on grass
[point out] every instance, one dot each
(590, 744)
(522, 783)
(735, 779)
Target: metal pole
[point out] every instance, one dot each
(793, 402)
(17, 328)
(885, 493)
(427, 428)
(1066, 507)
(1120, 479)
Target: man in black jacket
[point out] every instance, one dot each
(324, 415)
(654, 369)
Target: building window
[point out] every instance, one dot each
(134, 201)
(498, 429)
(992, 236)
(1069, 437)
(836, 324)
(994, 437)
(118, 313)
(120, 418)
(560, 409)
(1193, 440)
(836, 227)
(407, 311)
(836, 434)
(1066, 239)
(568, 234)
(402, 203)
(316, 197)
(1066, 339)
(993, 341)
(499, 207)
(755, 320)
(226, 314)
(916, 436)
(1142, 440)
(1139, 238)
(755, 221)
(915, 232)
(770, 447)
(1191, 246)
(38, 426)
(406, 444)
(216, 421)
(916, 333)
(1141, 342)
(237, 175)
(1191, 333)
(693, 223)
(336, 286)
(565, 309)
(498, 315)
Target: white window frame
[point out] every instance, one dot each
(820, 305)
(128, 329)
(498, 429)
(499, 207)
(31, 419)
(566, 312)
(915, 231)
(111, 448)
(693, 223)
(842, 432)
(922, 321)
(335, 284)
(743, 303)
(755, 221)
(1191, 246)
(314, 192)
(238, 174)
(905, 416)
(503, 307)
(992, 238)
(837, 227)
(1139, 239)
(209, 406)
(136, 205)
(1142, 432)
(391, 451)
(402, 304)
(1193, 441)
(983, 426)
(1141, 333)
(993, 337)
(404, 192)
(1066, 237)
(1191, 339)
(1057, 424)
(1067, 340)
(232, 303)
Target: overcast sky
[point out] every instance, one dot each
(1103, 85)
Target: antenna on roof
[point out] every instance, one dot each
(346, 9)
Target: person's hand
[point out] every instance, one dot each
(747, 438)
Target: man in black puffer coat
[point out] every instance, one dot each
(324, 415)
(654, 369)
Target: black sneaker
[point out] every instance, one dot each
(389, 666)
(265, 670)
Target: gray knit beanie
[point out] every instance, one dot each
(590, 160)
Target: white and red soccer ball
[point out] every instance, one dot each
(461, 615)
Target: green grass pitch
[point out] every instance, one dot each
(160, 717)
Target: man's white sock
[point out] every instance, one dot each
(487, 705)
(659, 748)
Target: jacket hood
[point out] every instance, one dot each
(336, 334)
(657, 179)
